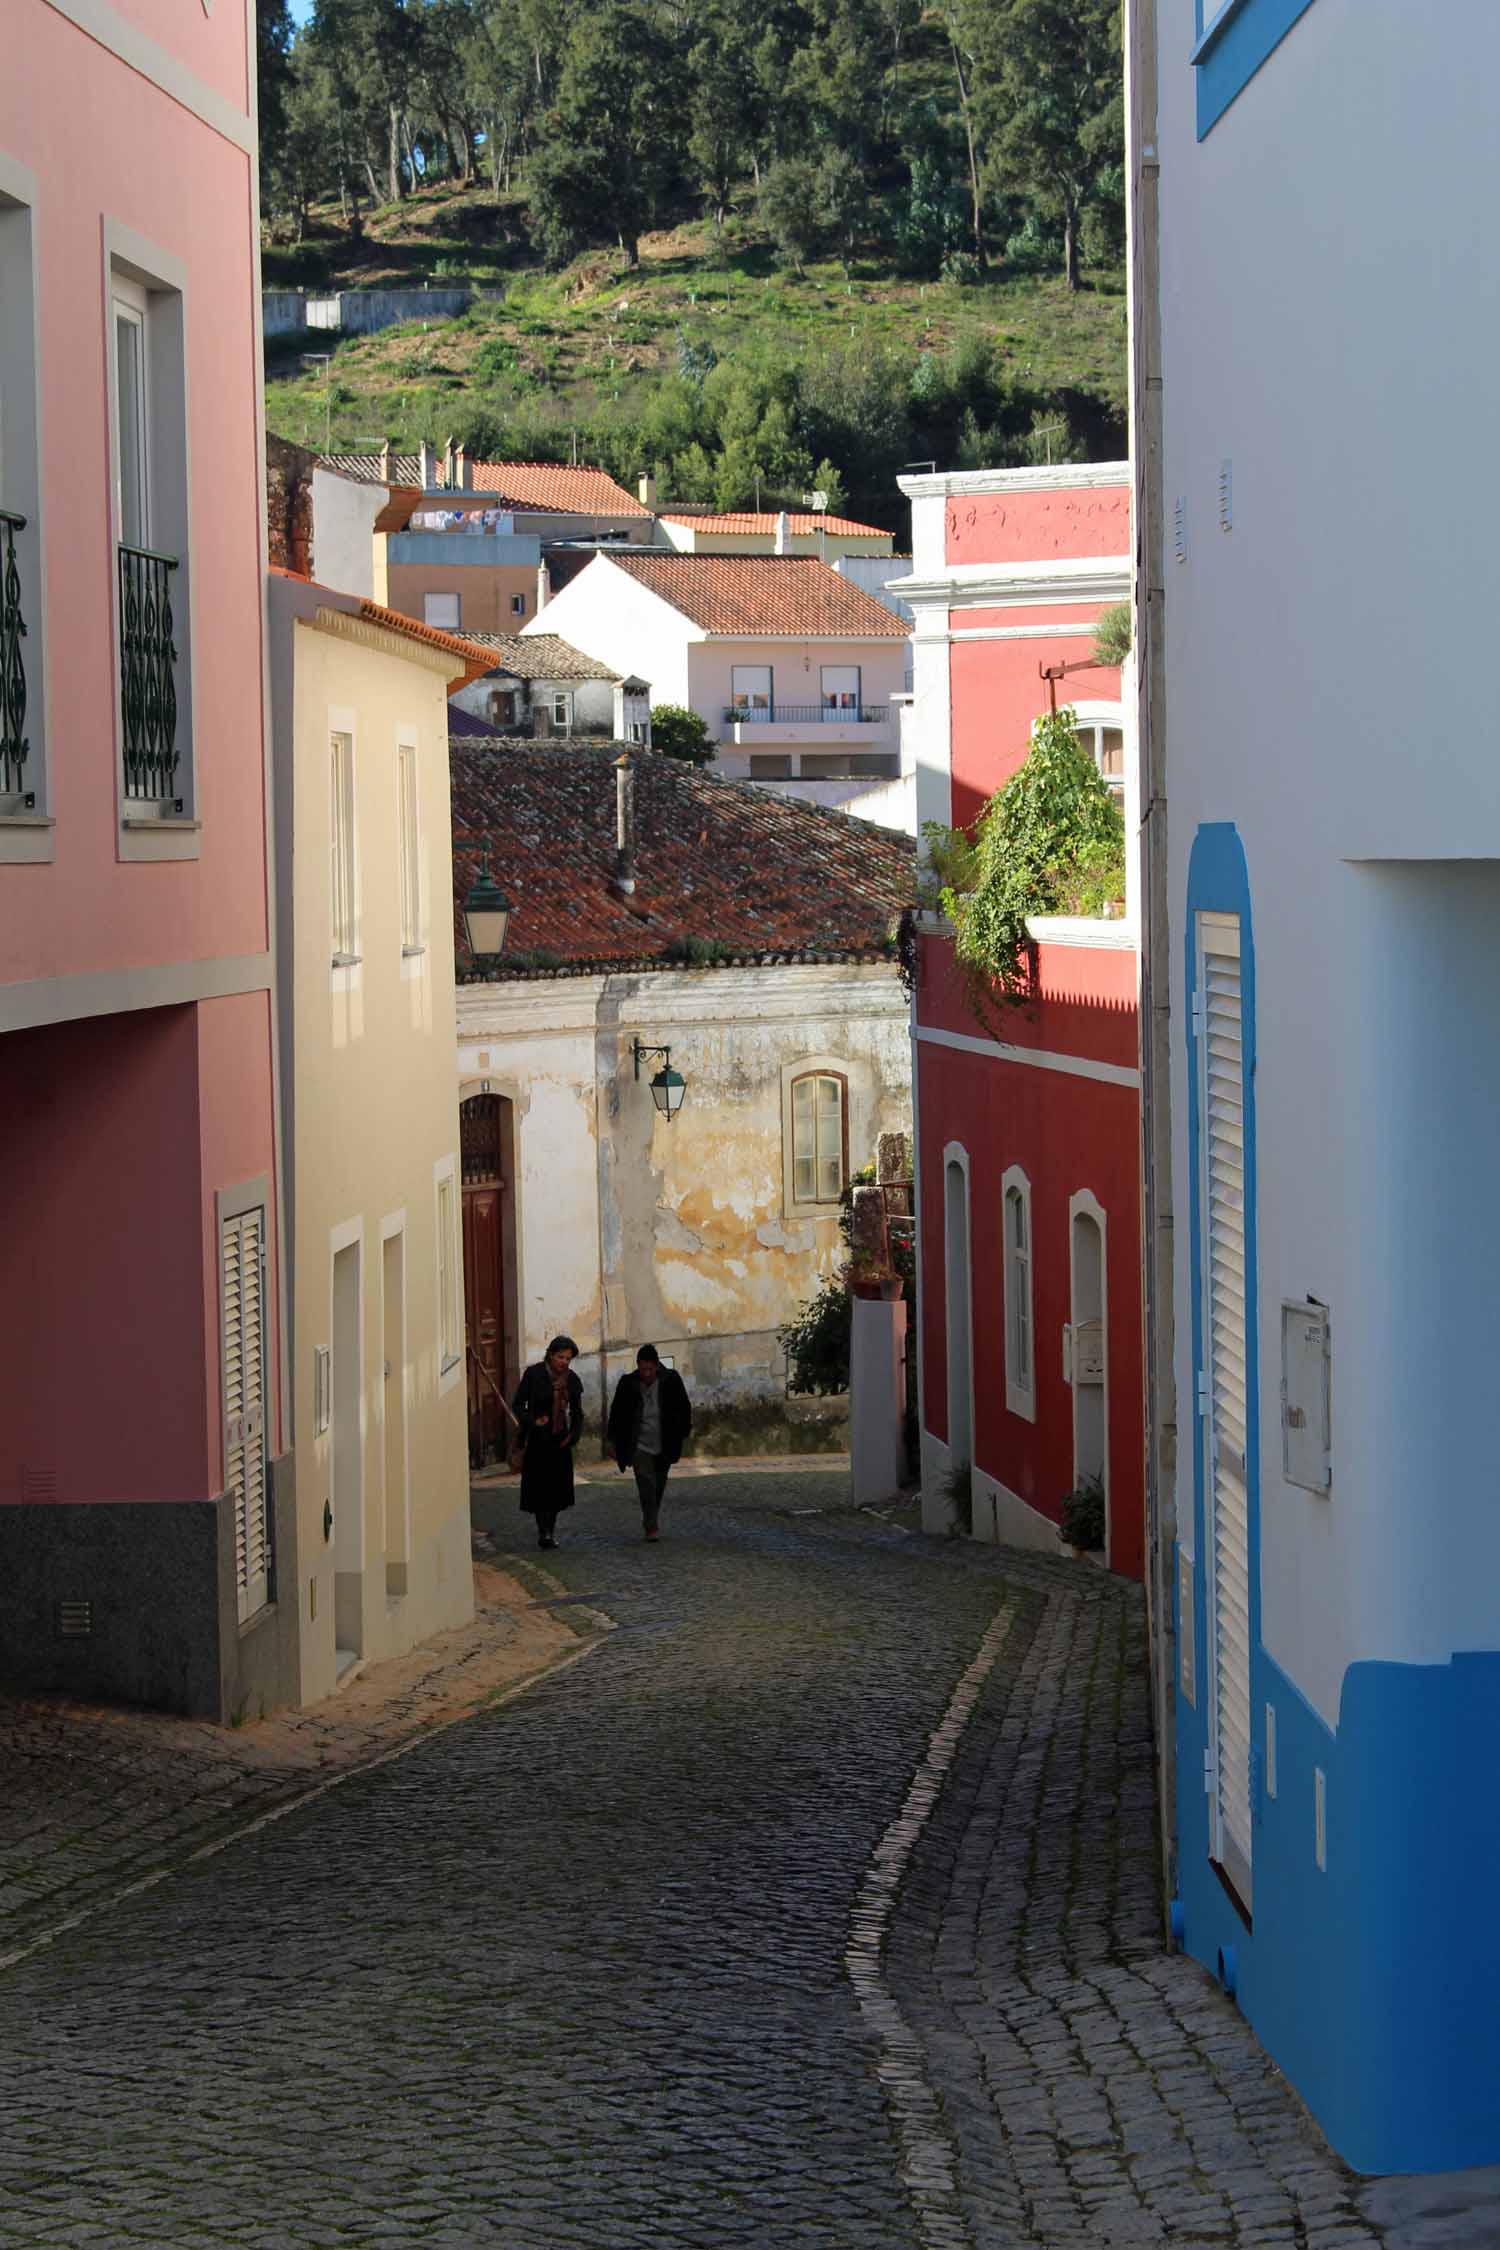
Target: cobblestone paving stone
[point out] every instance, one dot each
(92, 1799)
(596, 1968)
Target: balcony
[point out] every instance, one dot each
(14, 747)
(148, 679)
(802, 715)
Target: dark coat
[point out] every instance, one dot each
(625, 1416)
(547, 1470)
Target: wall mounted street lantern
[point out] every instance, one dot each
(668, 1086)
(486, 913)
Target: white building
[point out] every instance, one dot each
(1315, 178)
(543, 687)
(796, 672)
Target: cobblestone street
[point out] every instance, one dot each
(813, 1907)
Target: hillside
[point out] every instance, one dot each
(711, 361)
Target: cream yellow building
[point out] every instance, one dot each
(380, 1541)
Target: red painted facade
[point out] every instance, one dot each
(1047, 1094)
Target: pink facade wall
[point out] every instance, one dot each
(991, 527)
(105, 143)
(236, 1135)
(210, 43)
(102, 1273)
(1067, 1130)
(996, 691)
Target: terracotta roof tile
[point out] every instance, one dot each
(545, 484)
(795, 596)
(541, 656)
(716, 861)
(705, 519)
(471, 660)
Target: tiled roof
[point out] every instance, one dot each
(364, 468)
(704, 519)
(795, 596)
(544, 484)
(719, 862)
(541, 656)
(471, 660)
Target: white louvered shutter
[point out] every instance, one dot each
(1225, 1253)
(242, 1254)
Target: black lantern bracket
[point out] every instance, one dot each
(668, 1086)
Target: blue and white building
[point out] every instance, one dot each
(1315, 611)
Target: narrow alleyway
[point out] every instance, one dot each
(813, 1907)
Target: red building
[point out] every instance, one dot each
(1028, 1143)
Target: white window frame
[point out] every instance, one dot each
(442, 624)
(409, 847)
(152, 284)
(815, 1066)
(448, 1303)
(561, 703)
(1091, 721)
(343, 846)
(754, 699)
(130, 308)
(25, 813)
(830, 703)
(1019, 1263)
(518, 605)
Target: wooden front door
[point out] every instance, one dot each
(484, 1274)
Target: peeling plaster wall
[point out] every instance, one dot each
(631, 1229)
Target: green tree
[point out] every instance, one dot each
(791, 209)
(273, 82)
(679, 733)
(623, 92)
(1054, 93)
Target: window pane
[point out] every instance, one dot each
(830, 1179)
(1112, 753)
(803, 1180)
(130, 380)
(440, 610)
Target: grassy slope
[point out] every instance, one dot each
(599, 331)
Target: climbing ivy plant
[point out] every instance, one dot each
(1052, 841)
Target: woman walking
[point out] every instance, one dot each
(548, 1405)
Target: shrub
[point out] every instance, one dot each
(816, 1343)
(679, 733)
(1051, 839)
(1083, 1515)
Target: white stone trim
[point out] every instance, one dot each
(1065, 476)
(109, 992)
(104, 24)
(345, 626)
(1022, 585)
(1117, 935)
(1079, 632)
(450, 1371)
(1038, 1058)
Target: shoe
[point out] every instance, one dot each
(546, 1542)
(652, 1532)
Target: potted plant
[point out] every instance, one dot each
(1082, 1524)
(870, 1276)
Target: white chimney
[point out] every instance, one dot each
(428, 461)
(465, 467)
(385, 460)
(783, 533)
(450, 463)
(624, 825)
(647, 490)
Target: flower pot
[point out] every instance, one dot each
(876, 1288)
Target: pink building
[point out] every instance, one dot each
(140, 1421)
(1028, 1143)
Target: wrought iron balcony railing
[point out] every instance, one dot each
(807, 715)
(14, 747)
(148, 676)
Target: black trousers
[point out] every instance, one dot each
(546, 1523)
(651, 1473)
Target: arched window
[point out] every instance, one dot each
(1020, 1374)
(1101, 730)
(819, 1137)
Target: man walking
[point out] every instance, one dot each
(648, 1424)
